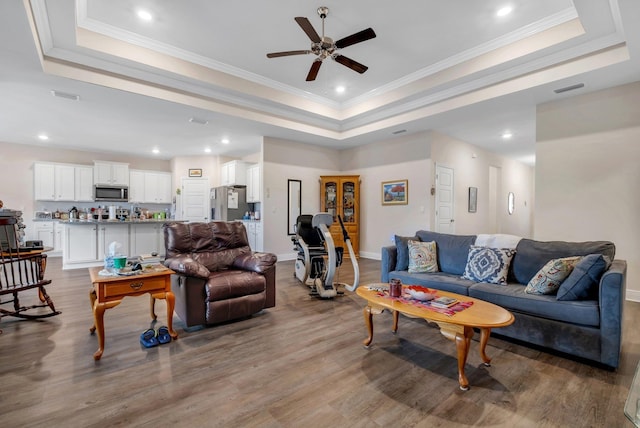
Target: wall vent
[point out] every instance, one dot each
(66, 95)
(569, 88)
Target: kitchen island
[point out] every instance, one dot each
(86, 242)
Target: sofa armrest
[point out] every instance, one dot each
(256, 262)
(612, 294)
(185, 265)
(388, 263)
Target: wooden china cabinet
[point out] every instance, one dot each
(340, 195)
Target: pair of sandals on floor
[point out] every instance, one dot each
(151, 338)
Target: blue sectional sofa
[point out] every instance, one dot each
(589, 328)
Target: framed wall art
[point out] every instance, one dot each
(395, 192)
(195, 172)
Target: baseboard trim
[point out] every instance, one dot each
(633, 295)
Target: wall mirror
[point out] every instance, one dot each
(511, 203)
(294, 193)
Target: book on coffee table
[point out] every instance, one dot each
(443, 302)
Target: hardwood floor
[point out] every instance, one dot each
(300, 364)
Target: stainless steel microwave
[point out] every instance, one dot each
(110, 193)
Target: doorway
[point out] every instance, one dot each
(445, 196)
(194, 200)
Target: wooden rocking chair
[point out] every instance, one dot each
(20, 271)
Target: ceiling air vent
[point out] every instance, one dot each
(198, 120)
(400, 131)
(569, 88)
(66, 95)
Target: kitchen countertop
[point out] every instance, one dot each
(81, 222)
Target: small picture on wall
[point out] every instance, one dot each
(473, 199)
(395, 192)
(195, 172)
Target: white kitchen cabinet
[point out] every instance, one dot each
(234, 173)
(150, 187)
(44, 232)
(111, 173)
(113, 232)
(254, 183)
(136, 186)
(147, 238)
(80, 244)
(157, 187)
(83, 183)
(58, 237)
(54, 182)
(254, 234)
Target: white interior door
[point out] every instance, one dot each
(445, 222)
(195, 199)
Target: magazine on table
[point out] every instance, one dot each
(443, 302)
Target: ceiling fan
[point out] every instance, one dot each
(324, 47)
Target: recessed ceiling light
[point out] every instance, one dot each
(340, 89)
(506, 135)
(155, 151)
(207, 150)
(504, 11)
(225, 141)
(144, 15)
(43, 137)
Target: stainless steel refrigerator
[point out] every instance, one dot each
(229, 203)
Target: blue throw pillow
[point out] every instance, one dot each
(488, 264)
(402, 247)
(582, 282)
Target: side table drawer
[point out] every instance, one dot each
(133, 285)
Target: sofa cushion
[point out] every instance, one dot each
(422, 257)
(549, 278)
(402, 258)
(437, 280)
(583, 281)
(513, 297)
(452, 250)
(229, 284)
(532, 255)
(488, 264)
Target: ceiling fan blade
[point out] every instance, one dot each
(358, 37)
(313, 72)
(308, 28)
(354, 65)
(287, 53)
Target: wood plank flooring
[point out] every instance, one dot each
(300, 364)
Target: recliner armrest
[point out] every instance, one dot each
(256, 262)
(185, 265)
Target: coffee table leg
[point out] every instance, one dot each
(484, 338)
(92, 300)
(368, 322)
(463, 342)
(394, 329)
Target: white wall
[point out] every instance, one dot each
(471, 166)
(400, 158)
(283, 160)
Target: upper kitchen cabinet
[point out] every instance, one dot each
(150, 187)
(54, 182)
(254, 183)
(83, 183)
(234, 173)
(111, 173)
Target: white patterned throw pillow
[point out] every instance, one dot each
(490, 265)
(549, 278)
(422, 257)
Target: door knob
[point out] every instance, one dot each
(452, 220)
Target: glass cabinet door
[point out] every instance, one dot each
(330, 192)
(348, 211)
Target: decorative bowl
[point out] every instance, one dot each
(421, 293)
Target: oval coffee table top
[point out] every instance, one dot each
(481, 314)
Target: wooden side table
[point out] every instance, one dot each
(108, 292)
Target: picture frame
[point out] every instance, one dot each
(395, 192)
(473, 199)
(195, 172)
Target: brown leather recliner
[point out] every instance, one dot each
(218, 278)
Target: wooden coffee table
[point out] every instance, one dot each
(459, 327)
(108, 291)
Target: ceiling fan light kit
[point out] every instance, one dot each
(324, 47)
